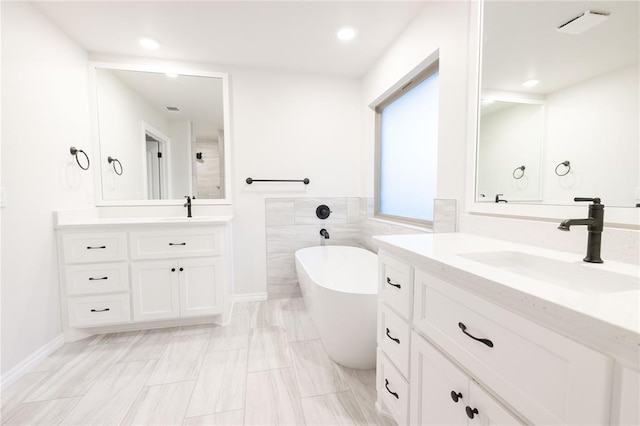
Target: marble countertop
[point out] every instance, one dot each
(607, 320)
(85, 222)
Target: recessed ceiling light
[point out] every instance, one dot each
(346, 34)
(149, 43)
(171, 75)
(530, 83)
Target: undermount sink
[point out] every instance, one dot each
(576, 276)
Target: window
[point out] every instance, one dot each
(407, 148)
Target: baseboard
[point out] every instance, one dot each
(250, 297)
(16, 372)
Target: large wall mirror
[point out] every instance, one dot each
(162, 136)
(559, 102)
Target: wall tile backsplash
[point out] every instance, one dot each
(292, 224)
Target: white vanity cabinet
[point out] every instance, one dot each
(117, 275)
(451, 354)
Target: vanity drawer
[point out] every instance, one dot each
(393, 389)
(396, 284)
(90, 311)
(176, 243)
(97, 278)
(94, 247)
(393, 338)
(547, 377)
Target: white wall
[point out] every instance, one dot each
(120, 116)
(509, 138)
(288, 126)
(45, 111)
(595, 125)
(443, 26)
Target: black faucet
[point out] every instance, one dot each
(594, 223)
(498, 200)
(324, 233)
(188, 205)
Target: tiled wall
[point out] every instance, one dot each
(292, 224)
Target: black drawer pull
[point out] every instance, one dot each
(100, 310)
(386, 385)
(98, 279)
(485, 341)
(392, 284)
(177, 244)
(456, 396)
(471, 412)
(96, 248)
(392, 338)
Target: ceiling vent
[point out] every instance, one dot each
(173, 109)
(582, 23)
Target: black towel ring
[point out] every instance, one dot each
(113, 162)
(567, 164)
(74, 151)
(515, 172)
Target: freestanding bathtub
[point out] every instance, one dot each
(340, 286)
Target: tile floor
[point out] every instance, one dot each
(267, 367)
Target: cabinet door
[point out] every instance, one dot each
(201, 286)
(439, 391)
(154, 289)
(489, 412)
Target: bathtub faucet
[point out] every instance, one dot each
(325, 234)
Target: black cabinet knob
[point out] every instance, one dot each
(456, 396)
(173, 269)
(471, 412)
(181, 269)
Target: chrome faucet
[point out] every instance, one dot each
(325, 234)
(594, 223)
(188, 205)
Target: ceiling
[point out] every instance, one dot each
(520, 42)
(285, 35)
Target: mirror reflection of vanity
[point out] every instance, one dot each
(575, 132)
(162, 136)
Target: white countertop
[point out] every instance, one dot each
(84, 222)
(609, 321)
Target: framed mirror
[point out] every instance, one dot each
(161, 136)
(559, 96)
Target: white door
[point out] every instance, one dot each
(201, 286)
(154, 286)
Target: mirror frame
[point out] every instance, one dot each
(619, 217)
(95, 132)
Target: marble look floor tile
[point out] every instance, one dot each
(363, 387)
(151, 345)
(80, 373)
(268, 349)
(317, 373)
(333, 409)
(41, 413)
(299, 326)
(20, 390)
(60, 357)
(230, 418)
(273, 398)
(110, 398)
(243, 308)
(267, 314)
(181, 360)
(293, 304)
(160, 405)
(221, 384)
(235, 335)
(283, 291)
